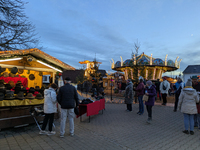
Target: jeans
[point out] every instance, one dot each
(129, 107)
(64, 114)
(189, 120)
(141, 104)
(149, 110)
(50, 118)
(164, 97)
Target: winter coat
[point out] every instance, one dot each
(129, 94)
(157, 84)
(152, 93)
(140, 89)
(167, 85)
(67, 96)
(50, 101)
(196, 86)
(187, 101)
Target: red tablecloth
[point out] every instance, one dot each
(92, 108)
(15, 79)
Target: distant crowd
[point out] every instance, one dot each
(186, 98)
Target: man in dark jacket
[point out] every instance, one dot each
(157, 84)
(67, 97)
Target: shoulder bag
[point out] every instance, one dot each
(145, 98)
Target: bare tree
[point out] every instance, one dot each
(136, 47)
(16, 32)
(137, 68)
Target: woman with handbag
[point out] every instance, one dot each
(50, 108)
(150, 91)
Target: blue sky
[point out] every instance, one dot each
(74, 30)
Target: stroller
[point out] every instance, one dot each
(37, 111)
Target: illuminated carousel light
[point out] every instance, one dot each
(157, 65)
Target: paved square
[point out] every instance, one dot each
(115, 129)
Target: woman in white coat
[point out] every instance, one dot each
(50, 108)
(187, 104)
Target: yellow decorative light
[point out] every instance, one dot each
(49, 66)
(10, 59)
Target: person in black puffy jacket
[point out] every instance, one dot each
(68, 99)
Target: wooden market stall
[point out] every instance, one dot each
(31, 65)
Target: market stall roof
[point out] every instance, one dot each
(38, 54)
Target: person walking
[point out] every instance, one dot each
(129, 95)
(164, 88)
(187, 104)
(68, 99)
(50, 108)
(179, 85)
(140, 93)
(150, 91)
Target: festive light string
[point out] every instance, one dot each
(10, 59)
(49, 66)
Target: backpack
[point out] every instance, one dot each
(164, 87)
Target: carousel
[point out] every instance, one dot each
(24, 75)
(148, 67)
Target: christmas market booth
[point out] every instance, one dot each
(24, 74)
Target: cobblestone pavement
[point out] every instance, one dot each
(115, 129)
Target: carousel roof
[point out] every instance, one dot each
(145, 60)
(37, 54)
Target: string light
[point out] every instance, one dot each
(49, 66)
(10, 59)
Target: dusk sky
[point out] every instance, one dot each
(74, 30)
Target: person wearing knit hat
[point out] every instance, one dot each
(188, 83)
(164, 88)
(187, 104)
(150, 91)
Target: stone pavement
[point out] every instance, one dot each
(115, 129)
